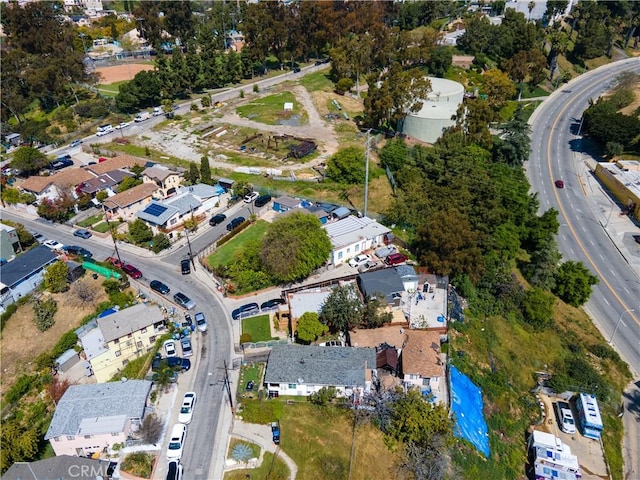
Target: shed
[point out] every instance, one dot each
(13, 139)
(342, 212)
(285, 203)
(76, 271)
(67, 360)
(226, 183)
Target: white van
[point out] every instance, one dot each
(104, 129)
(567, 424)
(176, 442)
(157, 111)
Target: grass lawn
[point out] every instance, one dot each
(258, 327)
(318, 439)
(317, 81)
(224, 254)
(87, 222)
(102, 227)
(270, 109)
(111, 89)
(271, 468)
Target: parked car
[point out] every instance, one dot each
(184, 301)
(245, 311)
(38, 237)
(559, 184)
(176, 442)
(385, 251)
(567, 423)
(262, 200)
(115, 262)
(271, 304)
(275, 432)
(132, 271)
(177, 362)
(104, 130)
(185, 266)
(78, 251)
(122, 125)
(366, 266)
(395, 259)
(174, 470)
(250, 197)
(82, 233)
(186, 410)
(296, 69)
(170, 348)
(235, 223)
(53, 245)
(358, 260)
(217, 219)
(75, 143)
(201, 322)
(159, 287)
(187, 349)
(187, 320)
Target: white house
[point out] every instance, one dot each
(92, 417)
(301, 370)
(352, 235)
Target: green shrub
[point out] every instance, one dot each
(10, 310)
(246, 338)
(138, 464)
(67, 340)
(44, 313)
(20, 388)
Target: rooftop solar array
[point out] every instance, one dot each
(155, 209)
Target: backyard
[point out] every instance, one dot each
(258, 328)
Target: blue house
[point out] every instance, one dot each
(320, 213)
(285, 203)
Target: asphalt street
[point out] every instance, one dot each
(560, 153)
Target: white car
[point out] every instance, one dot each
(366, 266)
(359, 260)
(186, 410)
(201, 322)
(250, 197)
(122, 125)
(176, 442)
(170, 348)
(53, 245)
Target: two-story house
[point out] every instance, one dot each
(92, 417)
(112, 341)
(420, 360)
(166, 180)
(126, 204)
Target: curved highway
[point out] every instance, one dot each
(556, 154)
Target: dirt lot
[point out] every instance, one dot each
(118, 73)
(22, 342)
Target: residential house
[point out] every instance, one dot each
(352, 235)
(53, 186)
(106, 181)
(64, 466)
(126, 204)
(24, 274)
(386, 282)
(301, 370)
(13, 139)
(298, 304)
(234, 40)
(116, 163)
(166, 180)
(285, 203)
(93, 417)
(420, 361)
(169, 215)
(112, 341)
(320, 214)
(207, 195)
(9, 241)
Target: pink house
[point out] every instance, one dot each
(91, 418)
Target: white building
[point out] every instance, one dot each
(352, 235)
(437, 112)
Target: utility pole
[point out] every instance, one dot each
(115, 245)
(193, 262)
(366, 174)
(227, 385)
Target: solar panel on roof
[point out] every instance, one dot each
(155, 209)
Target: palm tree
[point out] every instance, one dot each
(531, 6)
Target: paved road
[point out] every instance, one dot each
(585, 234)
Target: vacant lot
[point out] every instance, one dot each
(224, 254)
(270, 109)
(258, 327)
(22, 342)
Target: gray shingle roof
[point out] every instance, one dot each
(128, 321)
(98, 400)
(386, 281)
(59, 467)
(314, 365)
(26, 264)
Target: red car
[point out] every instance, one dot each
(132, 271)
(115, 262)
(559, 184)
(395, 259)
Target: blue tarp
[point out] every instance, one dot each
(466, 404)
(107, 312)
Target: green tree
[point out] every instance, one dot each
(323, 396)
(515, 144)
(537, 308)
(45, 311)
(375, 313)
(140, 232)
(205, 170)
(193, 175)
(342, 310)
(498, 88)
(102, 195)
(347, 166)
(309, 328)
(573, 282)
(55, 277)
(30, 160)
(160, 242)
(294, 246)
(10, 195)
(440, 61)
(394, 154)
(128, 183)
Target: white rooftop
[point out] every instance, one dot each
(307, 301)
(128, 321)
(97, 425)
(627, 172)
(352, 229)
